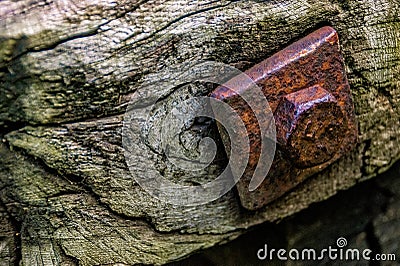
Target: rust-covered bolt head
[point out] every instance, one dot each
(308, 92)
(309, 126)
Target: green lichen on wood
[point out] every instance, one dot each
(60, 219)
(77, 82)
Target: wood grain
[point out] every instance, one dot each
(68, 70)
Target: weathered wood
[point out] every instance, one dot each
(68, 71)
(366, 215)
(8, 239)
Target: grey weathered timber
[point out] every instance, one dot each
(68, 70)
(366, 215)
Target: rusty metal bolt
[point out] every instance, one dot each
(309, 126)
(308, 91)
